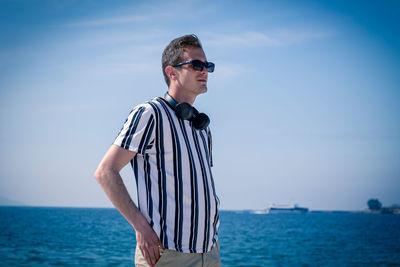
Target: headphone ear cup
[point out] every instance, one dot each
(201, 121)
(184, 111)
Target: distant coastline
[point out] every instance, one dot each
(394, 209)
(9, 202)
(222, 210)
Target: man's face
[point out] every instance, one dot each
(189, 80)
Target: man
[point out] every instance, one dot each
(168, 144)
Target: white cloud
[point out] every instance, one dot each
(159, 12)
(280, 37)
(228, 71)
(288, 36)
(109, 21)
(116, 37)
(132, 68)
(247, 39)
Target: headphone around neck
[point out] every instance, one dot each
(185, 111)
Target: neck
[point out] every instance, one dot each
(179, 96)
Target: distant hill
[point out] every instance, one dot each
(8, 202)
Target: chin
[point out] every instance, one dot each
(203, 89)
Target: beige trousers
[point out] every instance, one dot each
(173, 258)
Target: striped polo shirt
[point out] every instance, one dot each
(172, 168)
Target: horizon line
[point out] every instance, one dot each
(108, 207)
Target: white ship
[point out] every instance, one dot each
(285, 209)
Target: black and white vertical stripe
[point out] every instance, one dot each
(172, 168)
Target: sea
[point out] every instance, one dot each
(47, 236)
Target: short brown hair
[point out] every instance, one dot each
(173, 53)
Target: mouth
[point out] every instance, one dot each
(202, 80)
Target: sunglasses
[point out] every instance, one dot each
(198, 65)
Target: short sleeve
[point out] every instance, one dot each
(137, 133)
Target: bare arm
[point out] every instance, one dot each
(107, 174)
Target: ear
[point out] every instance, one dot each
(171, 72)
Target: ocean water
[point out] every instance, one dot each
(32, 236)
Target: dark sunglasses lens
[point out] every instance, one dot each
(210, 67)
(199, 65)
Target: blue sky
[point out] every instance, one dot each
(304, 101)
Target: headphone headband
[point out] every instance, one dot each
(170, 100)
(185, 111)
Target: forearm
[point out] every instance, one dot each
(114, 187)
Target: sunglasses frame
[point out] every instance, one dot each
(209, 65)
